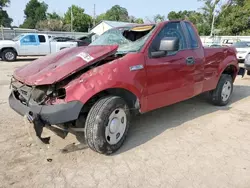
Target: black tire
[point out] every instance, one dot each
(215, 96)
(80, 123)
(6, 55)
(97, 121)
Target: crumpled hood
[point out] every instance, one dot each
(53, 68)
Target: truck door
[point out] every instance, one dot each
(44, 47)
(169, 78)
(29, 45)
(197, 54)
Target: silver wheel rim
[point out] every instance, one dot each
(116, 126)
(9, 55)
(226, 91)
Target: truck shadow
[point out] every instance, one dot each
(147, 126)
(23, 59)
(27, 59)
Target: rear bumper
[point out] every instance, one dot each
(241, 57)
(49, 114)
(247, 67)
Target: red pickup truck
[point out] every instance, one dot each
(93, 91)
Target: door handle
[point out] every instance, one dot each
(190, 60)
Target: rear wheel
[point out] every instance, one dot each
(107, 125)
(9, 55)
(222, 94)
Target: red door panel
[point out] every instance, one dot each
(169, 80)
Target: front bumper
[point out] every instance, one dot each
(49, 114)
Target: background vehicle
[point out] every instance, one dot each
(243, 48)
(82, 41)
(247, 64)
(31, 45)
(93, 91)
(229, 42)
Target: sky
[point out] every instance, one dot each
(138, 8)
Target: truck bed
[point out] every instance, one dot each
(214, 58)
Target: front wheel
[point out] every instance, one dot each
(9, 55)
(107, 125)
(222, 94)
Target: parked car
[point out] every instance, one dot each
(31, 45)
(93, 91)
(82, 41)
(247, 64)
(215, 46)
(229, 42)
(243, 48)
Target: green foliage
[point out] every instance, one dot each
(81, 21)
(5, 20)
(53, 16)
(51, 25)
(117, 13)
(4, 3)
(100, 17)
(234, 18)
(139, 21)
(159, 18)
(35, 11)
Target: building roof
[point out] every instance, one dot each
(115, 23)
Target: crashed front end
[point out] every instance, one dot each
(43, 106)
(44, 102)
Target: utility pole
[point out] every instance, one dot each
(71, 18)
(2, 32)
(212, 28)
(94, 16)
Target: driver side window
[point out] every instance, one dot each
(172, 29)
(29, 39)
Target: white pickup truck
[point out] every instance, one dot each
(31, 44)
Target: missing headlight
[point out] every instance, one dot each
(60, 93)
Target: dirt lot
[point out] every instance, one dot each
(190, 144)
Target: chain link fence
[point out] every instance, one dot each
(8, 33)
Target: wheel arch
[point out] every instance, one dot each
(130, 98)
(231, 70)
(6, 48)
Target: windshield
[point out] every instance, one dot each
(17, 37)
(128, 39)
(242, 45)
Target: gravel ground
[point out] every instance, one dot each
(189, 144)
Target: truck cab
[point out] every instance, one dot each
(31, 44)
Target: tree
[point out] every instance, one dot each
(5, 20)
(117, 13)
(81, 21)
(51, 25)
(139, 21)
(234, 18)
(35, 11)
(53, 16)
(159, 18)
(4, 3)
(100, 18)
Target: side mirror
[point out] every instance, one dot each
(167, 44)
